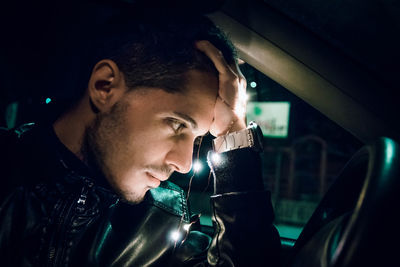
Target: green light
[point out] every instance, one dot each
(273, 117)
(253, 84)
(48, 100)
(289, 231)
(257, 111)
(390, 151)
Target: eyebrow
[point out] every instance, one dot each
(186, 118)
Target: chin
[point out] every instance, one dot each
(129, 192)
(132, 197)
(129, 196)
(131, 200)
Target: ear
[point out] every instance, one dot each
(106, 85)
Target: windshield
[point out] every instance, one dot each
(303, 153)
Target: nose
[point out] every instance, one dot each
(180, 156)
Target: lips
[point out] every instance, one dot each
(157, 176)
(153, 182)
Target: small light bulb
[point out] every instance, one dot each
(253, 84)
(216, 158)
(197, 166)
(175, 235)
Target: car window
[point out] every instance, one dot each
(304, 152)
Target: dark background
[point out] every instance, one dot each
(41, 55)
(40, 40)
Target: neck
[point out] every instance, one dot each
(70, 127)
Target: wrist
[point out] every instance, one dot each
(247, 137)
(237, 171)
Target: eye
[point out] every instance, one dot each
(176, 125)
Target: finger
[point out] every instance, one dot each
(235, 67)
(223, 116)
(215, 55)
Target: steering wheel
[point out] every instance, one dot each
(356, 222)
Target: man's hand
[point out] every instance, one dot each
(230, 106)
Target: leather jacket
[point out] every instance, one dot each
(55, 212)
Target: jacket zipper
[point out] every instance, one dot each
(57, 249)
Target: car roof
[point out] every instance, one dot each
(350, 80)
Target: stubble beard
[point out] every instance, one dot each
(97, 142)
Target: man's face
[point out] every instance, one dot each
(149, 133)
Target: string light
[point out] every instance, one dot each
(216, 158)
(175, 235)
(197, 166)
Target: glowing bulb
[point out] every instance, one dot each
(216, 158)
(175, 235)
(197, 166)
(253, 84)
(48, 100)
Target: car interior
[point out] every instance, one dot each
(321, 78)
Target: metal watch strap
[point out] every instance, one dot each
(240, 139)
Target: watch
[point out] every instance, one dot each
(250, 137)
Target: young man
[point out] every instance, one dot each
(90, 189)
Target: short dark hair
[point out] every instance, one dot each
(157, 50)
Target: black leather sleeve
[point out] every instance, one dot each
(242, 213)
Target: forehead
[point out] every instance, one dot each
(196, 100)
(199, 96)
(200, 85)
